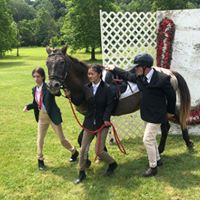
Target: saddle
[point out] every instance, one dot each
(119, 87)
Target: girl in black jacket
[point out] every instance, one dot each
(100, 99)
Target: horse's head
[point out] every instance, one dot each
(57, 68)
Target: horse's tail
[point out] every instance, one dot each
(185, 100)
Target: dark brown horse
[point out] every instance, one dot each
(67, 72)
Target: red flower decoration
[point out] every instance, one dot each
(164, 50)
(165, 40)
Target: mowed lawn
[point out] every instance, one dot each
(178, 178)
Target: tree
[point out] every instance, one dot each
(135, 5)
(8, 30)
(45, 4)
(21, 10)
(45, 27)
(81, 27)
(27, 32)
(154, 5)
(60, 8)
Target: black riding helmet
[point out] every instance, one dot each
(143, 60)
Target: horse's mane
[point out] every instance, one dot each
(78, 61)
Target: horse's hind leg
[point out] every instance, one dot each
(164, 133)
(80, 137)
(187, 140)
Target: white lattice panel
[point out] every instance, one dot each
(124, 35)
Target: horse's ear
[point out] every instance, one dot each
(64, 49)
(48, 50)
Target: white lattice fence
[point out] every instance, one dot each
(124, 35)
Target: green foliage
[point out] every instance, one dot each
(55, 41)
(8, 30)
(136, 5)
(81, 27)
(60, 8)
(76, 22)
(45, 27)
(27, 32)
(21, 10)
(45, 4)
(154, 5)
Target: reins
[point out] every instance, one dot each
(99, 131)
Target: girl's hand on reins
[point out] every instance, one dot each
(110, 67)
(67, 93)
(107, 123)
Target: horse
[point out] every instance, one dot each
(65, 71)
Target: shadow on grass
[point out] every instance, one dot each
(178, 171)
(11, 64)
(97, 61)
(66, 171)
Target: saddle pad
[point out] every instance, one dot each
(131, 89)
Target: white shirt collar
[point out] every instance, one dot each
(149, 75)
(39, 88)
(96, 85)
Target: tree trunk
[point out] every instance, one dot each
(87, 50)
(17, 51)
(93, 54)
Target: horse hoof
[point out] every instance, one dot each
(161, 149)
(190, 146)
(111, 141)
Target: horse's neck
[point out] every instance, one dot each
(77, 77)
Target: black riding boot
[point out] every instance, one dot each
(41, 165)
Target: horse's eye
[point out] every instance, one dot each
(62, 62)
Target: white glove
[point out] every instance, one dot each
(110, 67)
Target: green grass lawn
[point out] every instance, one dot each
(178, 178)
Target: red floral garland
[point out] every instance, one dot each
(165, 40)
(194, 117)
(164, 49)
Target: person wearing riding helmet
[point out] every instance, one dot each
(158, 102)
(100, 100)
(46, 113)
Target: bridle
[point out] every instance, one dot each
(61, 80)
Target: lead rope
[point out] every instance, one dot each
(99, 131)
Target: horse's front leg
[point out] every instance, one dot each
(164, 133)
(187, 140)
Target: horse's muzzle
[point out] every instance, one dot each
(54, 87)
